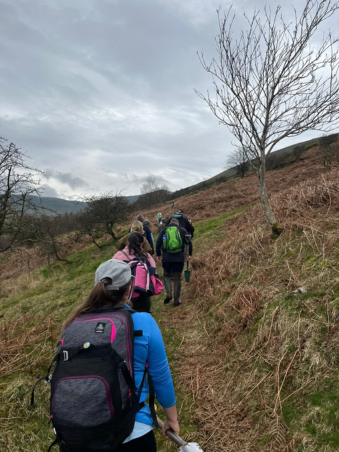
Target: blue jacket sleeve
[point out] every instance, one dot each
(159, 242)
(158, 368)
(149, 237)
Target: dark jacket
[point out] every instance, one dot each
(184, 223)
(148, 235)
(177, 257)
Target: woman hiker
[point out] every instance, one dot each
(136, 227)
(134, 248)
(113, 284)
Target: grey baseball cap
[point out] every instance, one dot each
(115, 274)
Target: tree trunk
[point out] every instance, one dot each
(109, 229)
(269, 214)
(29, 269)
(95, 243)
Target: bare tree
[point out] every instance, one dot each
(151, 192)
(102, 213)
(329, 148)
(18, 182)
(150, 185)
(238, 158)
(48, 230)
(271, 84)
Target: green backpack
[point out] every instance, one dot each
(172, 240)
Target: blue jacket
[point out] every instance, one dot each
(149, 237)
(149, 348)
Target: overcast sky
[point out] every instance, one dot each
(100, 93)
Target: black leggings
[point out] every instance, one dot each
(145, 443)
(142, 304)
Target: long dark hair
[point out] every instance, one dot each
(135, 241)
(98, 298)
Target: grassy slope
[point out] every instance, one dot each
(260, 362)
(32, 319)
(255, 368)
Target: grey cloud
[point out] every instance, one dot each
(102, 92)
(66, 178)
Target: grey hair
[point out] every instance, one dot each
(174, 220)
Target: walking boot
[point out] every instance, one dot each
(168, 288)
(177, 288)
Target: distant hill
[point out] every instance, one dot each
(277, 159)
(64, 206)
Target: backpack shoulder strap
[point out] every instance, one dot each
(151, 400)
(123, 252)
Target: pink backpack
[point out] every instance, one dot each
(146, 281)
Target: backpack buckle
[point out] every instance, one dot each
(65, 352)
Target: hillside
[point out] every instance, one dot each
(277, 159)
(61, 206)
(255, 365)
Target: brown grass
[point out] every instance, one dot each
(23, 346)
(21, 261)
(243, 191)
(242, 353)
(239, 375)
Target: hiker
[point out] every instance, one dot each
(184, 222)
(148, 225)
(136, 227)
(158, 217)
(148, 233)
(161, 221)
(92, 403)
(134, 248)
(172, 241)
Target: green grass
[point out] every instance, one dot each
(56, 290)
(311, 411)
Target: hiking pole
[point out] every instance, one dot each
(184, 446)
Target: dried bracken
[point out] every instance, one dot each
(246, 347)
(241, 367)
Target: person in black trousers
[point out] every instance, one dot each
(173, 263)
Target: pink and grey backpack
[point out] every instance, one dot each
(94, 399)
(146, 281)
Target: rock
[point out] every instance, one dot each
(297, 291)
